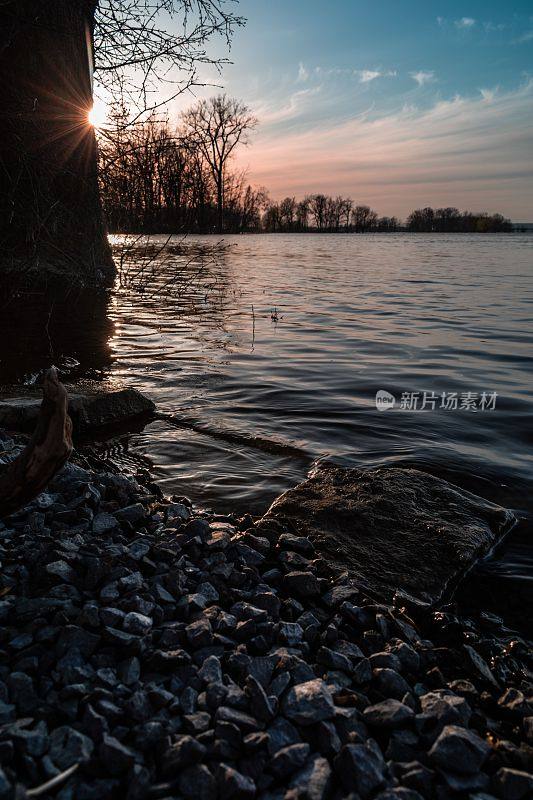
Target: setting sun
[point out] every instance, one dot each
(98, 113)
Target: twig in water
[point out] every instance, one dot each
(253, 327)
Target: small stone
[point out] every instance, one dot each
(513, 784)
(459, 750)
(290, 633)
(199, 633)
(399, 793)
(136, 623)
(361, 768)
(281, 734)
(132, 514)
(288, 760)
(60, 569)
(390, 683)
(388, 714)
(479, 665)
(68, 746)
(103, 523)
(197, 783)
(314, 779)
(308, 703)
(301, 584)
(233, 784)
(115, 756)
(183, 752)
(211, 671)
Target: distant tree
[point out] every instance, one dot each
(387, 224)
(215, 127)
(318, 206)
(302, 213)
(287, 211)
(364, 219)
(421, 220)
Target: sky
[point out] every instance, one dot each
(395, 104)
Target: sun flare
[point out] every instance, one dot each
(98, 114)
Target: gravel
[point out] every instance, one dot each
(149, 650)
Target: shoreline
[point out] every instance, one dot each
(160, 651)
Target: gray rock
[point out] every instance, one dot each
(136, 623)
(390, 683)
(399, 793)
(104, 522)
(441, 708)
(301, 584)
(184, 751)
(281, 734)
(459, 750)
(60, 569)
(377, 523)
(115, 756)
(233, 784)
(211, 671)
(313, 780)
(288, 760)
(68, 746)
(197, 783)
(88, 411)
(388, 714)
(361, 768)
(308, 703)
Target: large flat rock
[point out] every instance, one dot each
(394, 528)
(89, 410)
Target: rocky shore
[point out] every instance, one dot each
(148, 650)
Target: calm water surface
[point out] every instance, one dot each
(272, 357)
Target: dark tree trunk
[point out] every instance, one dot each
(220, 204)
(50, 213)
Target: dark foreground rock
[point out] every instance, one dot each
(393, 528)
(89, 410)
(148, 651)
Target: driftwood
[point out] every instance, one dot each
(48, 449)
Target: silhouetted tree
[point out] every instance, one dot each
(215, 127)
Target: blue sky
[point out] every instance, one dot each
(397, 104)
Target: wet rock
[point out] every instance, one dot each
(308, 703)
(382, 520)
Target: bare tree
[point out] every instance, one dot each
(147, 52)
(215, 127)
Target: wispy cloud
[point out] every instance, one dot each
(465, 22)
(303, 73)
(527, 36)
(422, 77)
(466, 151)
(368, 75)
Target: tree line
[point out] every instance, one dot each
(159, 178)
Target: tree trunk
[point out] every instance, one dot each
(50, 213)
(220, 204)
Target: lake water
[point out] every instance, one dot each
(271, 356)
